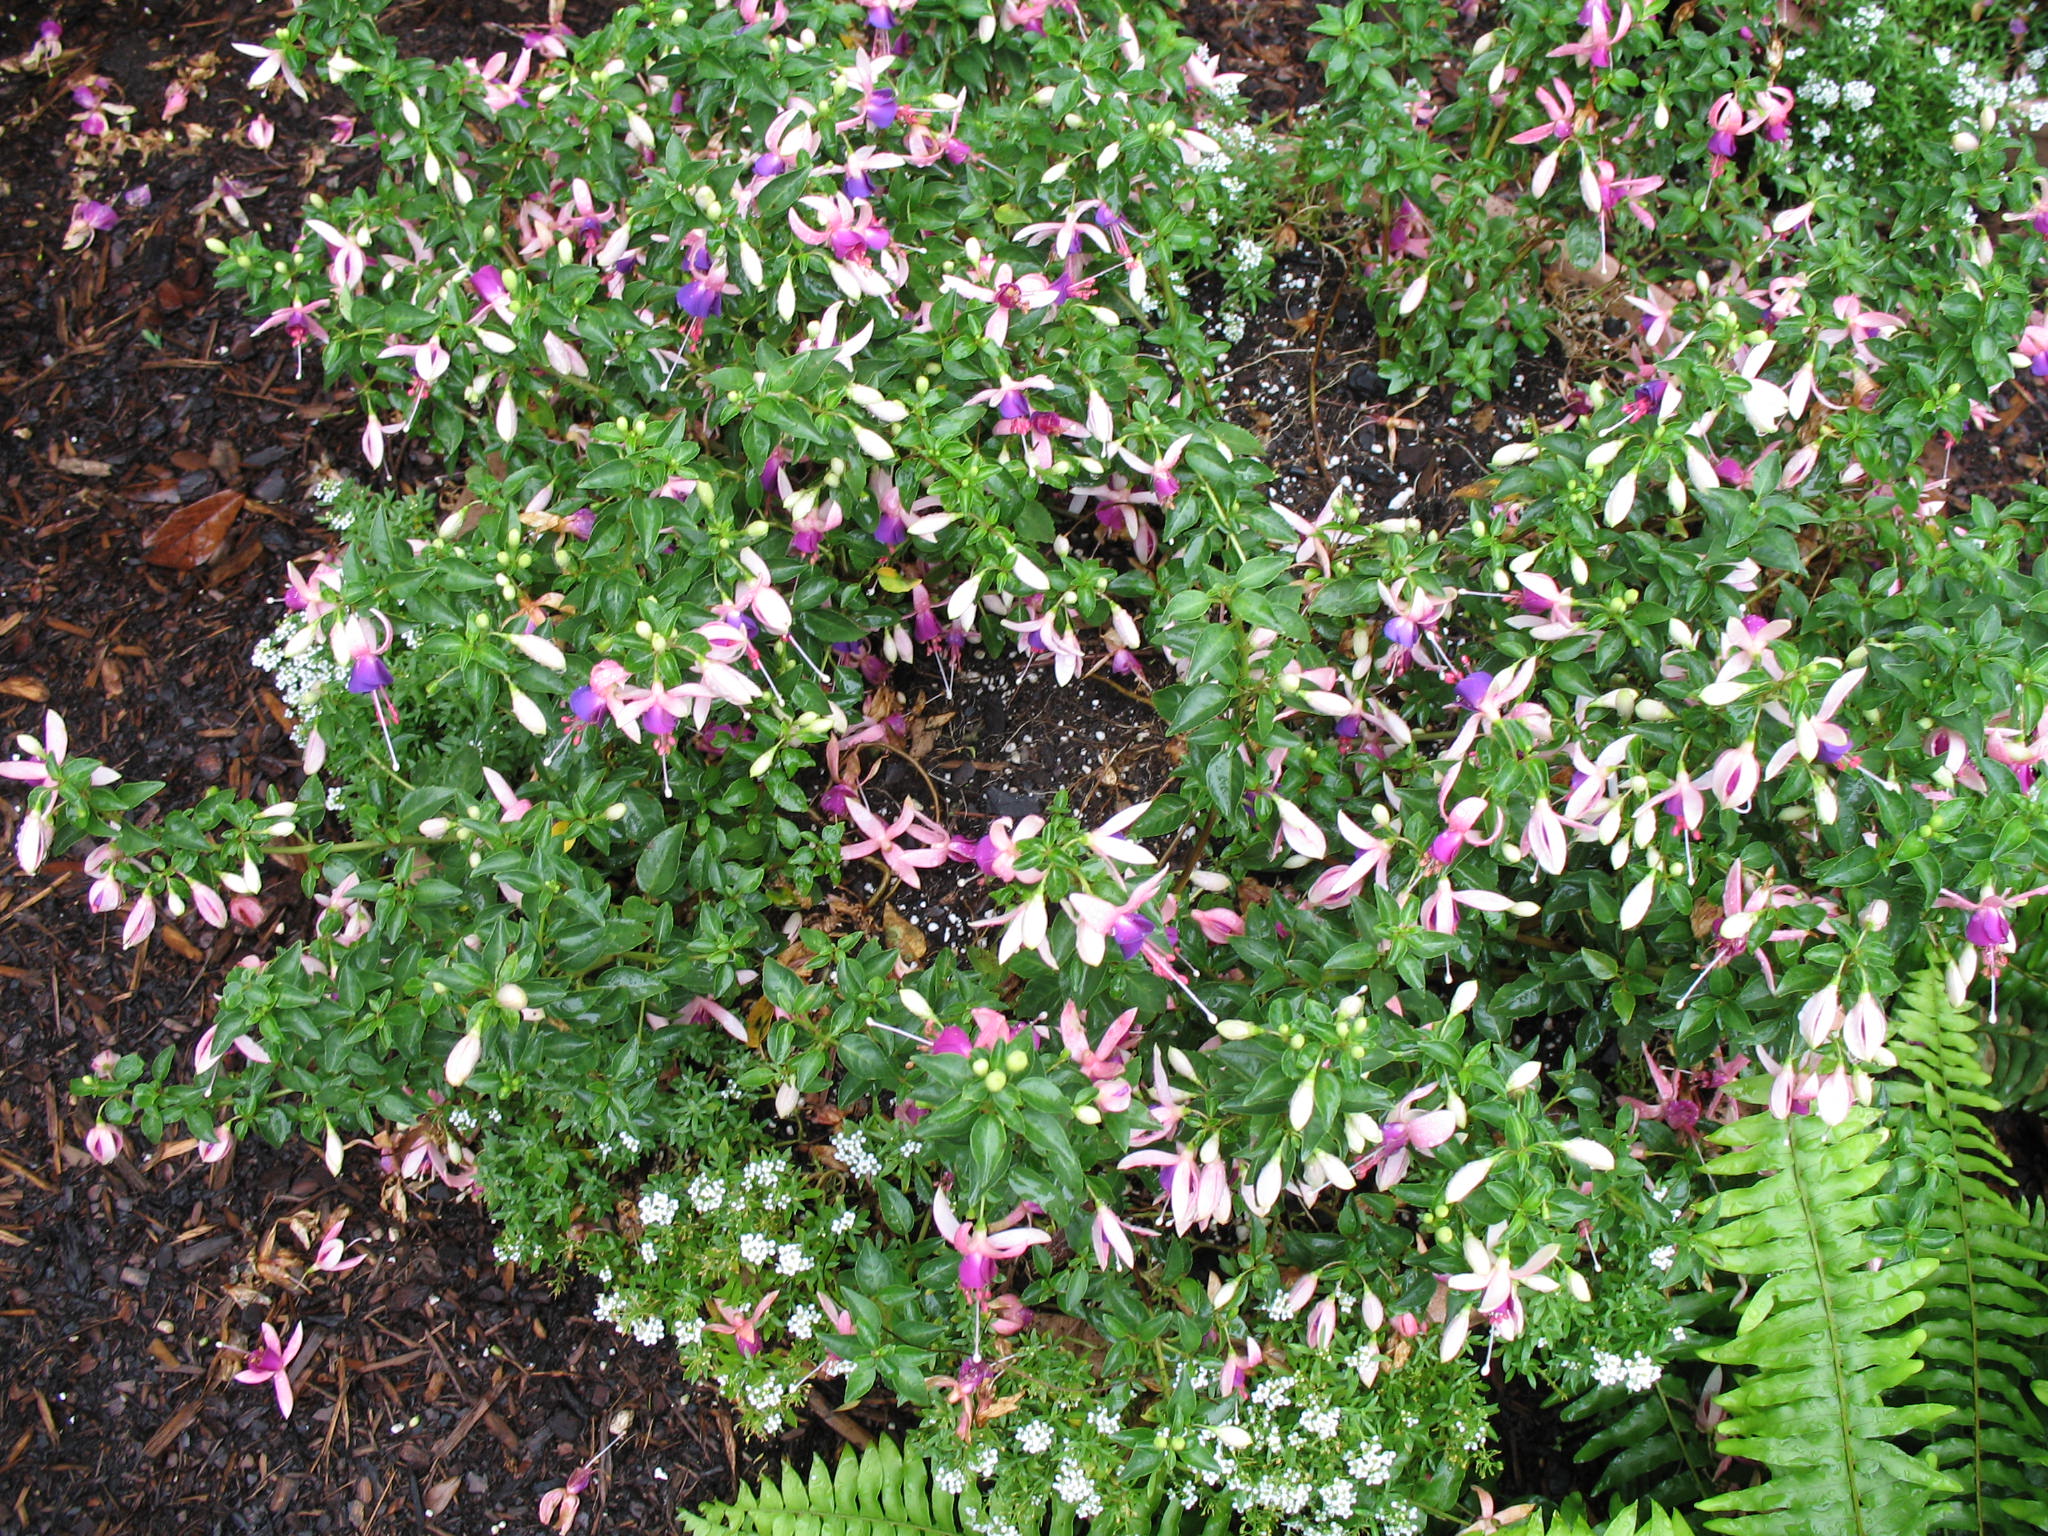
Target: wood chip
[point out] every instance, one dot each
(469, 1420)
(25, 688)
(96, 469)
(176, 1425)
(442, 1494)
(180, 946)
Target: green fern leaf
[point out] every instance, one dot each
(881, 1491)
(1647, 1444)
(1573, 1522)
(1819, 1341)
(876, 1492)
(1985, 1301)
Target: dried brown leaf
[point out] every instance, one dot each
(902, 935)
(191, 536)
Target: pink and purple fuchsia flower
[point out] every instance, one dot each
(356, 643)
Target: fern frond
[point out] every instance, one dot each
(1570, 1522)
(1985, 1301)
(877, 1492)
(881, 1491)
(1647, 1445)
(1819, 1340)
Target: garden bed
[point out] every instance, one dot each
(437, 1388)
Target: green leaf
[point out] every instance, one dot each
(1819, 1344)
(661, 860)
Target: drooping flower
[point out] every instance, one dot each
(1496, 1278)
(744, 1327)
(271, 1361)
(981, 1249)
(1405, 1131)
(1596, 45)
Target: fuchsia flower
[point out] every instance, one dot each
(355, 641)
(857, 240)
(500, 94)
(1237, 1368)
(995, 854)
(1603, 192)
(1404, 1132)
(299, 325)
(47, 46)
(1861, 326)
(1988, 929)
(272, 65)
(1110, 1235)
(1596, 47)
(328, 1256)
(1102, 1064)
(1775, 111)
(1338, 884)
(607, 693)
(1408, 235)
(881, 840)
(1803, 1089)
(88, 218)
(558, 1506)
(205, 1057)
(1496, 1277)
(2037, 213)
(1561, 109)
(1097, 921)
(744, 1327)
(1460, 823)
(1440, 908)
(1196, 1189)
(980, 1251)
(270, 1361)
(1736, 776)
(349, 257)
(429, 361)
(1546, 608)
(105, 1142)
(2032, 351)
(1007, 291)
(1728, 122)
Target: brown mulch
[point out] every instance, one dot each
(437, 1390)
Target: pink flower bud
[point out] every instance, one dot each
(141, 922)
(105, 1143)
(207, 903)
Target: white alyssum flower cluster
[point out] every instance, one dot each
(1373, 1465)
(851, 1147)
(1638, 1372)
(1074, 1486)
(300, 679)
(658, 1208)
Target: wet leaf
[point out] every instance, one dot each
(903, 936)
(191, 536)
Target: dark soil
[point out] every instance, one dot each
(435, 1390)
